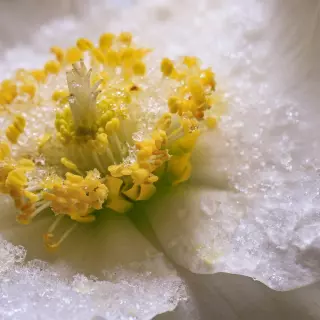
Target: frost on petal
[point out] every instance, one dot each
(278, 243)
(274, 104)
(108, 269)
(197, 225)
(211, 160)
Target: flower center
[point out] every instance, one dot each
(120, 128)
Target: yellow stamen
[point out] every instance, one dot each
(84, 44)
(58, 52)
(4, 150)
(39, 75)
(167, 67)
(113, 148)
(125, 37)
(106, 40)
(70, 165)
(98, 55)
(52, 67)
(29, 89)
(16, 128)
(73, 55)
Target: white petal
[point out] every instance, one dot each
(131, 278)
(194, 224)
(211, 160)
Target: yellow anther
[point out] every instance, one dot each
(70, 165)
(139, 68)
(77, 196)
(45, 138)
(26, 164)
(115, 201)
(60, 96)
(185, 144)
(146, 192)
(98, 55)
(9, 85)
(112, 58)
(196, 89)
(73, 177)
(16, 128)
(125, 37)
(167, 67)
(84, 44)
(179, 168)
(52, 67)
(211, 122)
(8, 91)
(58, 52)
(139, 176)
(31, 196)
(29, 89)
(160, 137)
(85, 219)
(164, 122)
(207, 78)
(73, 55)
(16, 178)
(112, 126)
(119, 205)
(103, 138)
(173, 104)
(127, 59)
(117, 171)
(4, 150)
(39, 75)
(6, 97)
(190, 61)
(106, 40)
(114, 185)
(132, 193)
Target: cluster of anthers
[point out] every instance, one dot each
(111, 158)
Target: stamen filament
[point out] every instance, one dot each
(97, 162)
(39, 209)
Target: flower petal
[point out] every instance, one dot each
(196, 225)
(210, 160)
(130, 277)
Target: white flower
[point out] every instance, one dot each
(248, 167)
